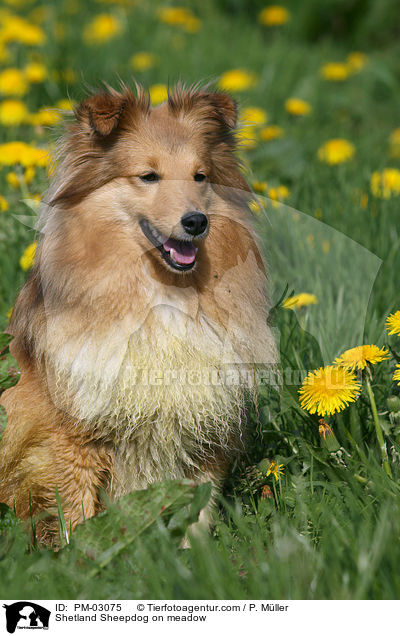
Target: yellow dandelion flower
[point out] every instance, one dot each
(386, 183)
(3, 204)
(237, 80)
(275, 470)
(336, 151)
(17, 29)
(259, 186)
(143, 61)
(10, 153)
(28, 257)
(328, 390)
(13, 180)
(271, 132)
(274, 15)
(283, 192)
(279, 193)
(103, 28)
(297, 107)
(393, 323)
(299, 300)
(359, 357)
(35, 72)
(335, 71)
(253, 116)
(44, 117)
(356, 61)
(65, 104)
(13, 112)
(158, 94)
(396, 374)
(35, 157)
(16, 152)
(180, 17)
(9, 313)
(13, 82)
(323, 428)
(29, 175)
(174, 15)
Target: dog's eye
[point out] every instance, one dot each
(199, 176)
(150, 176)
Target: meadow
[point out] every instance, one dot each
(312, 510)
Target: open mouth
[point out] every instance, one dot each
(180, 255)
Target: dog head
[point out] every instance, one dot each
(161, 167)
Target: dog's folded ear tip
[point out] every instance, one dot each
(227, 107)
(102, 112)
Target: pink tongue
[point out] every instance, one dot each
(183, 252)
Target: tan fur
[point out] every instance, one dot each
(124, 361)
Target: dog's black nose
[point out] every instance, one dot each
(194, 223)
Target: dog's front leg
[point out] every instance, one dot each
(41, 453)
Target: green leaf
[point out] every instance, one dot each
(330, 442)
(63, 530)
(12, 536)
(170, 506)
(187, 515)
(3, 419)
(9, 372)
(5, 340)
(8, 519)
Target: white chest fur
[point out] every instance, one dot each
(156, 388)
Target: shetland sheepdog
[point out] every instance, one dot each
(147, 295)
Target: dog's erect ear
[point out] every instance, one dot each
(226, 107)
(102, 112)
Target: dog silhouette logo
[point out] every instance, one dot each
(26, 615)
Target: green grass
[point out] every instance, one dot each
(331, 527)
